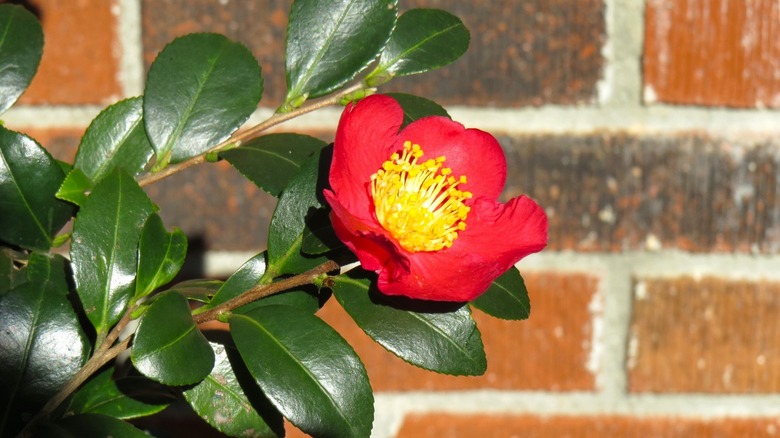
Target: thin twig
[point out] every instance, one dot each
(250, 133)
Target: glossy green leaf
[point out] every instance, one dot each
(306, 369)
(124, 398)
(297, 204)
(318, 236)
(200, 89)
(440, 337)
(330, 41)
(231, 402)
(168, 347)
(271, 160)
(75, 187)
(93, 425)
(160, 255)
(29, 178)
(423, 40)
(116, 138)
(245, 278)
(198, 289)
(41, 343)
(21, 47)
(104, 248)
(416, 107)
(507, 297)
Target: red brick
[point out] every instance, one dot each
(709, 336)
(81, 53)
(549, 351)
(529, 426)
(712, 52)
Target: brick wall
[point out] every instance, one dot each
(649, 130)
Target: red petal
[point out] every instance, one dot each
(365, 135)
(470, 152)
(497, 237)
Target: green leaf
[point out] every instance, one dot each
(198, 289)
(506, 298)
(42, 345)
(423, 40)
(160, 255)
(168, 347)
(104, 248)
(416, 107)
(116, 138)
(306, 369)
(318, 236)
(271, 160)
(297, 203)
(431, 335)
(200, 89)
(75, 187)
(29, 178)
(245, 278)
(330, 41)
(124, 398)
(94, 425)
(21, 47)
(230, 401)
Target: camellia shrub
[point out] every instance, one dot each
(87, 264)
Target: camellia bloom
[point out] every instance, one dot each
(420, 206)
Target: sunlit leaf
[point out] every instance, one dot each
(21, 47)
(507, 297)
(160, 255)
(416, 107)
(306, 369)
(75, 187)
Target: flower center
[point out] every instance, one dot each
(419, 203)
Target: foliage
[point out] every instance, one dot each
(61, 317)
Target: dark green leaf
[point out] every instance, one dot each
(124, 398)
(318, 236)
(270, 161)
(306, 369)
(330, 41)
(507, 297)
(104, 248)
(168, 347)
(416, 107)
(198, 289)
(423, 40)
(160, 255)
(305, 298)
(116, 138)
(245, 278)
(230, 401)
(95, 425)
(11, 274)
(75, 187)
(440, 337)
(297, 204)
(41, 343)
(21, 47)
(200, 89)
(29, 178)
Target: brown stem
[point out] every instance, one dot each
(250, 133)
(264, 290)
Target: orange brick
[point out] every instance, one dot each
(712, 52)
(709, 335)
(528, 426)
(547, 352)
(81, 52)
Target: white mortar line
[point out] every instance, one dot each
(621, 84)
(131, 63)
(392, 408)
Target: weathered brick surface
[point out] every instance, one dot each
(617, 192)
(528, 426)
(712, 52)
(530, 53)
(549, 351)
(81, 53)
(708, 335)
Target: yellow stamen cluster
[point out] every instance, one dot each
(419, 203)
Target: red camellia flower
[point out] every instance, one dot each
(420, 206)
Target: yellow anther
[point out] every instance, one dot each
(418, 203)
